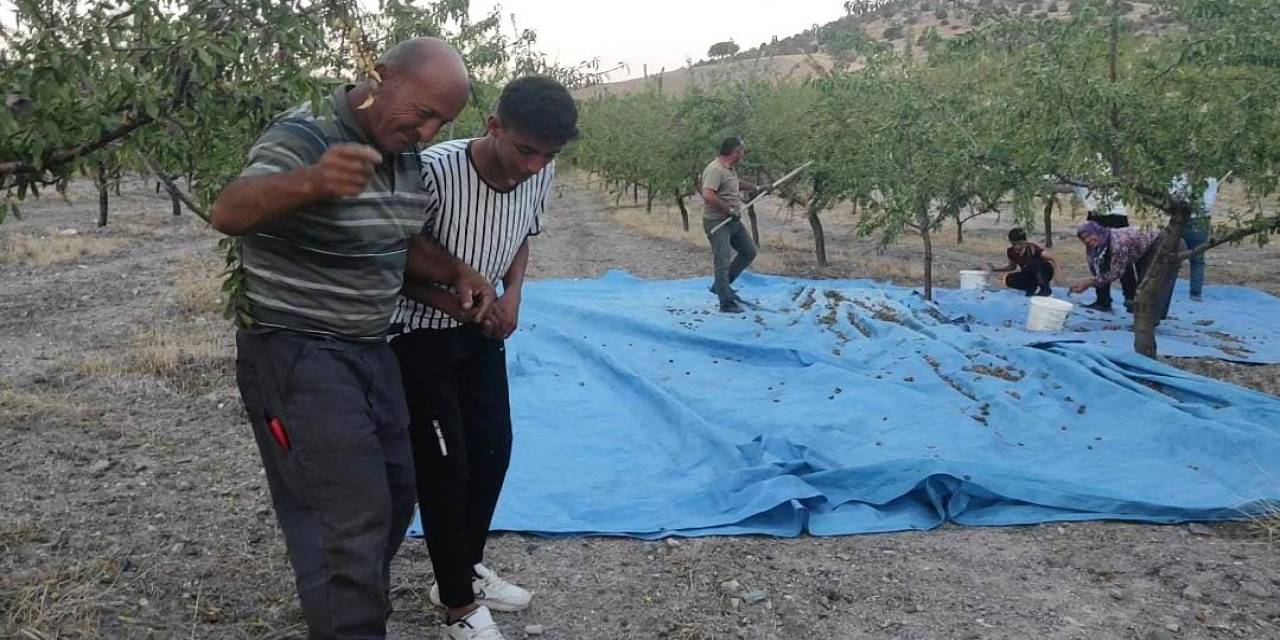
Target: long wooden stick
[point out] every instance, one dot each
(761, 195)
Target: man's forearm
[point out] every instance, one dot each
(250, 202)
(430, 262)
(716, 204)
(433, 295)
(513, 280)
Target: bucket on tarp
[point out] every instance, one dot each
(1047, 314)
(971, 279)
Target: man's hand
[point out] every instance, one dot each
(504, 317)
(1081, 286)
(764, 188)
(250, 202)
(343, 171)
(475, 293)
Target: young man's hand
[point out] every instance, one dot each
(1081, 286)
(504, 316)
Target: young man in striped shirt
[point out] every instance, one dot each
(329, 209)
(486, 196)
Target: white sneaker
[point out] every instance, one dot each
(478, 625)
(491, 591)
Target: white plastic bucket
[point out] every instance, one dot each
(970, 279)
(1047, 314)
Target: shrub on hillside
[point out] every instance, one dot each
(940, 13)
(1026, 8)
(892, 33)
(1052, 8)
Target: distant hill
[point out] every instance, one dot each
(848, 40)
(676, 81)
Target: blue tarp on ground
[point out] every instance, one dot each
(854, 407)
(1233, 323)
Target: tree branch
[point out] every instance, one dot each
(172, 188)
(83, 149)
(1265, 225)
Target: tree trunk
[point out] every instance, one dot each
(755, 226)
(684, 213)
(928, 254)
(959, 227)
(819, 239)
(816, 205)
(1146, 309)
(648, 199)
(102, 195)
(1048, 221)
(177, 204)
(635, 193)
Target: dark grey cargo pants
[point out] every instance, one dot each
(331, 423)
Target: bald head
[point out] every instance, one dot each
(424, 86)
(418, 53)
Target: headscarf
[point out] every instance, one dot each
(1096, 255)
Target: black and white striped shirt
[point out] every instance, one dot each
(479, 224)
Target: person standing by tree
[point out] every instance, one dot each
(722, 195)
(485, 198)
(328, 209)
(1196, 231)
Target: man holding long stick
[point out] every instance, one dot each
(722, 220)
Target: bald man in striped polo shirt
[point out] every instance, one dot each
(329, 209)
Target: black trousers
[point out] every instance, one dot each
(1128, 283)
(330, 421)
(455, 381)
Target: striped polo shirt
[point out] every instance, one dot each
(478, 223)
(335, 267)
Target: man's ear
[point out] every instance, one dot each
(493, 125)
(384, 72)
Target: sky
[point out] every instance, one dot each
(660, 33)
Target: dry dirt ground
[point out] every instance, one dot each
(132, 506)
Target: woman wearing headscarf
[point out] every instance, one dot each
(1122, 249)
